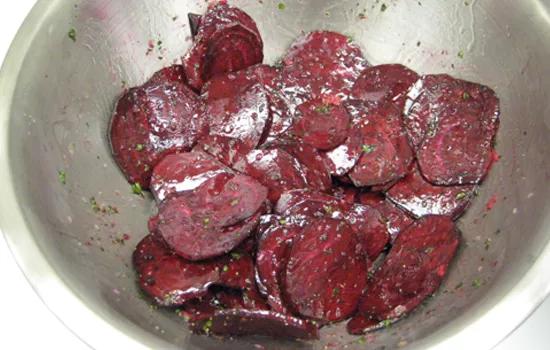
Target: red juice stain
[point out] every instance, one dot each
(491, 202)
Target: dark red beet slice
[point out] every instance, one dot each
(275, 169)
(227, 40)
(174, 73)
(420, 198)
(182, 172)
(194, 23)
(344, 157)
(226, 150)
(396, 219)
(386, 152)
(384, 83)
(213, 219)
(452, 123)
(153, 120)
(273, 248)
(310, 203)
(171, 280)
(321, 125)
(239, 322)
(370, 226)
(326, 272)
(413, 270)
(321, 63)
(348, 194)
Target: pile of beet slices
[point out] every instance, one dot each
(292, 197)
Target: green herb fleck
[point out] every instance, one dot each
(225, 268)
(206, 221)
(362, 340)
(328, 209)
(335, 291)
(428, 250)
(140, 147)
(323, 109)
(72, 34)
(207, 325)
(458, 286)
(368, 148)
(281, 6)
(466, 95)
(136, 189)
(62, 176)
(387, 323)
(487, 243)
(282, 221)
(236, 255)
(94, 205)
(466, 3)
(350, 38)
(234, 202)
(460, 195)
(383, 8)
(476, 283)
(460, 54)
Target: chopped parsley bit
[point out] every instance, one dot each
(460, 54)
(362, 340)
(461, 195)
(386, 323)
(324, 109)
(282, 221)
(234, 202)
(428, 250)
(335, 291)
(476, 283)
(465, 95)
(207, 326)
(206, 221)
(368, 148)
(95, 206)
(136, 189)
(140, 147)
(383, 8)
(328, 209)
(487, 244)
(72, 34)
(62, 176)
(418, 43)
(350, 38)
(466, 3)
(225, 268)
(235, 255)
(175, 18)
(281, 6)
(458, 286)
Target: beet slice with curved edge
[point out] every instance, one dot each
(275, 169)
(172, 280)
(370, 226)
(320, 124)
(227, 40)
(320, 63)
(182, 172)
(311, 203)
(452, 123)
(153, 120)
(420, 198)
(348, 194)
(412, 271)
(326, 272)
(386, 152)
(396, 219)
(213, 219)
(226, 150)
(239, 322)
(273, 247)
(384, 83)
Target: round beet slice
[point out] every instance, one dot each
(396, 219)
(321, 125)
(275, 169)
(386, 152)
(326, 273)
(412, 271)
(213, 219)
(239, 322)
(452, 123)
(420, 198)
(370, 226)
(273, 247)
(227, 40)
(384, 83)
(182, 172)
(151, 121)
(310, 203)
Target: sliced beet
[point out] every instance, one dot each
(370, 226)
(326, 272)
(321, 125)
(420, 198)
(412, 271)
(214, 219)
(452, 123)
(239, 322)
(153, 120)
(348, 194)
(275, 169)
(182, 172)
(311, 203)
(321, 63)
(194, 23)
(241, 118)
(386, 152)
(227, 40)
(174, 73)
(273, 248)
(384, 83)
(396, 219)
(168, 278)
(226, 150)
(344, 157)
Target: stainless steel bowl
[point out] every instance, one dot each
(56, 95)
